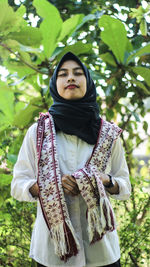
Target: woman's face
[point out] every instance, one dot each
(71, 81)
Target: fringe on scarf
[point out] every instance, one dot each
(64, 240)
(106, 215)
(100, 219)
(94, 225)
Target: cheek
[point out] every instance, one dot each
(84, 86)
(59, 86)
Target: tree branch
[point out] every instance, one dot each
(126, 207)
(22, 60)
(144, 212)
(133, 260)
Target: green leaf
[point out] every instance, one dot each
(114, 35)
(144, 72)
(12, 158)
(5, 179)
(20, 12)
(26, 58)
(18, 106)
(77, 48)
(145, 126)
(19, 67)
(7, 104)
(109, 114)
(142, 86)
(26, 115)
(28, 36)
(86, 19)
(12, 44)
(50, 26)
(143, 27)
(139, 52)
(136, 116)
(108, 58)
(129, 46)
(9, 21)
(4, 53)
(70, 25)
(18, 81)
(29, 49)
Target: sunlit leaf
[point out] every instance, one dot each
(109, 114)
(108, 58)
(144, 72)
(9, 21)
(142, 86)
(28, 36)
(26, 115)
(70, 25)
(145, 126)
(136, 116)
(50, 26)
(77, 48)
(12, 158)
(20, 68)
(5, 179)
(6, 104)
(86, 19)
(139, 52)
(114, 35)
(143, 27)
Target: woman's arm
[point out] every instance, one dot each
(119, 172)
(106, 181)
(34, 190)
(25, 171)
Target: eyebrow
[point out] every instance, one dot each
(63, 69)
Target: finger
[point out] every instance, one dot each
(72, 193)
(67, 179)
(71, 178)
(71, 187)
(72, 190)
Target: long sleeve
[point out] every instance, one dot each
(119, 171)
(25, 170)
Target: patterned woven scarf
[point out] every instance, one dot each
(99, 211)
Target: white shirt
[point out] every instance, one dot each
(73, 154)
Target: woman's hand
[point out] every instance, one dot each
(69, 185)
(34, 190)
(105, 180)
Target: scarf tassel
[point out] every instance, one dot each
(64, 240)
(100, 221)
(94, 227)
(107, 215)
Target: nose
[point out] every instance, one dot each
(71, 77)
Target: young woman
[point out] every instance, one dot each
(71, 162)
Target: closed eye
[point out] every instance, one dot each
(62, 74)
(78, 73)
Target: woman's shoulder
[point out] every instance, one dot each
(111, 129)
(111, 124)
(32, 131)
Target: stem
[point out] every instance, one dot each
(133, 260)
(144, 212)
(22, 60)
(127, 151)
(126, 207)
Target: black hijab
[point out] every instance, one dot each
(76, 117)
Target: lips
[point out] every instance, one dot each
(71, 86)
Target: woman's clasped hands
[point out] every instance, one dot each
(69, 185)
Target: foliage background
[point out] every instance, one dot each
(112, 39)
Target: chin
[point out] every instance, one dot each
(72, 97)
